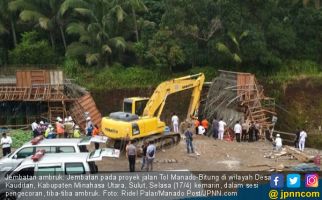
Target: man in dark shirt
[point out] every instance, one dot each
(215, 126)
(188, 134)
(144, 148)
(131, 155)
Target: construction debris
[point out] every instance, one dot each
(237, 96)
(299, 155)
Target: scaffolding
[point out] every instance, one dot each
(237, 96)
(61, 97)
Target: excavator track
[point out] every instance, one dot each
(161, 141)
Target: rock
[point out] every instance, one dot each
(173, 161)
(163, 150)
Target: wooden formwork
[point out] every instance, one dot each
(85, 104)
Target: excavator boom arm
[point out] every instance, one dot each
(156, 103)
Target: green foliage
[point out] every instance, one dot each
(314, 141)
(31, 50)
(165, 51)
(210, 72)
(19, 137)
(120, 77)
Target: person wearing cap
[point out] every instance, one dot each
(60, 128)
(6, 142)
(77, 132)
(278, 142)
(50, 132)
(96, 132)
(41, 128)
(69, 127)
(89, 126)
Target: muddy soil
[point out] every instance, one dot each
(214, 155)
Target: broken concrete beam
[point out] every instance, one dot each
(299, 155)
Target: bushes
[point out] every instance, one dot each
(19, 137)
(31, 50)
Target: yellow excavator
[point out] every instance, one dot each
(140, 118)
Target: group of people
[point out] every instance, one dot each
(246, 131)
(63, 128)
(148, 155)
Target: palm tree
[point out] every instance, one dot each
(6, 16)
(47, 14)
(233, 48)
(136, 5)
(98, 36)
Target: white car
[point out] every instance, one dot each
(59, 145)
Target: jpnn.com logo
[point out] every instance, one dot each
(277, 181)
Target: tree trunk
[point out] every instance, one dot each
(63, 36)
(52, 40)
(14, 36)
(135, 25)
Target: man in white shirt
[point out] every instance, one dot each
(303, 136)
(238, 131)
(175, 123)
(6, 144)
(201, 130)
(278, 142)
(221, 129)
(34, 127)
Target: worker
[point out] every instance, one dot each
(150, 156)
(34, 128)
(215, 127)
(144, 148)
(278, 142)
(131, 155)
(60, 128)
(49, 133)
(205, 124)
(201, 130)
(237, 131)
(221, 129)
(96, 132)
(197, 124)
(89, 126)
(245, 127)
(77, 132)
(41, 128)
(175, 123)
(303, 136)
(69, 127)
(6, 142)
(251, 132)
(188, 134)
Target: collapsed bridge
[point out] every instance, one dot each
(43, 95)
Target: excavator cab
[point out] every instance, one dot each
(135, 105)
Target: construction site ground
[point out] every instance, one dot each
(213, 155)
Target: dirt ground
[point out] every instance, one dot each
(214, 155)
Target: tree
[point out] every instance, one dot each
(98, 39)
(232, 48)
(7, 21)
(48, 15)
(32, 50)
(165, 51)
